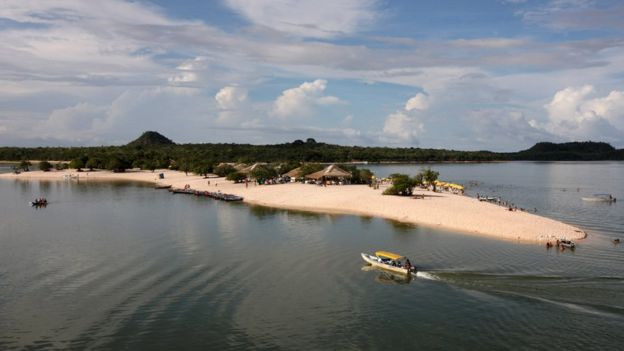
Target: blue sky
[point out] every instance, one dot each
(498, 75)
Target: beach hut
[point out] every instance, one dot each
(293, 174)
(331, 172)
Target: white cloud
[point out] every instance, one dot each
(402, 129)
(230, 97)
(496, 127)
(184, 77)
(80, 117)
(491, 43)
(319, 19)
(573, 113)
(301, 100)
(234, 107)
(419, 102)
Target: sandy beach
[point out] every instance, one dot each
(454, 212)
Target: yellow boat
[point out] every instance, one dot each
(390, 261)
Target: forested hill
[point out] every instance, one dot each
(154, 150)
(583, 151)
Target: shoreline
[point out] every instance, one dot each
(463, 214)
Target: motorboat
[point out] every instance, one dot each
(39, 203)
(599, 198)
(390, 261)
(567, 244)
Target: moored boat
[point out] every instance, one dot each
(162, 186)
(599, 198)
(391, 262)
(183, 191)
(567, 244)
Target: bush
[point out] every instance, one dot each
(390, 191)
(45, 166)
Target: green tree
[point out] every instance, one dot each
(149, 164)
(24, 165)
(418, 179)
(45, 166)
(202, 168)
(224, 169)
(263, 172)
(365, 176)
(236, 177)
(92, 163)
(430, 176)
(77, 163)
(402, 184)
(117, 164)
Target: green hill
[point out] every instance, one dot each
(151, 138)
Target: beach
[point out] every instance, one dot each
(443, 210)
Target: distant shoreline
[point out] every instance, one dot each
(438, 210)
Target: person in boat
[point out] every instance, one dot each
(408, 265)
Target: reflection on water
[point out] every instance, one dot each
(121, 266)
(387, 277)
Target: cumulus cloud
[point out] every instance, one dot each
(399, 128)
(405, 126)
(319, 19)
(230, 97)
(233, 106)
(419, 102)
(301, 100)
(575, 113)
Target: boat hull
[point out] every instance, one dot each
(373, 261)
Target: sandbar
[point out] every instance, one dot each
(458, 213)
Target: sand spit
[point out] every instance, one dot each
(454, 212)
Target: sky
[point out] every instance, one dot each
(495, 75)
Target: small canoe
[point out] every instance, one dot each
(163, 186)
(389, 261)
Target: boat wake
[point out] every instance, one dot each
(426, 275)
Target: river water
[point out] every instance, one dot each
(124, 266)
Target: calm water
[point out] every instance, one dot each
(123, 266)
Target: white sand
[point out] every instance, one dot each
(454, 212)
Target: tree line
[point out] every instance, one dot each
(202, 158)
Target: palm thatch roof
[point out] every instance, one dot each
(249, 169)
(294, 173)
(236, 166)
(331, 171)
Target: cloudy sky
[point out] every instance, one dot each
(498, 74)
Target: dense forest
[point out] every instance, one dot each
(152, 150)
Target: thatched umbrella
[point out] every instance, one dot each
(331, 171)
